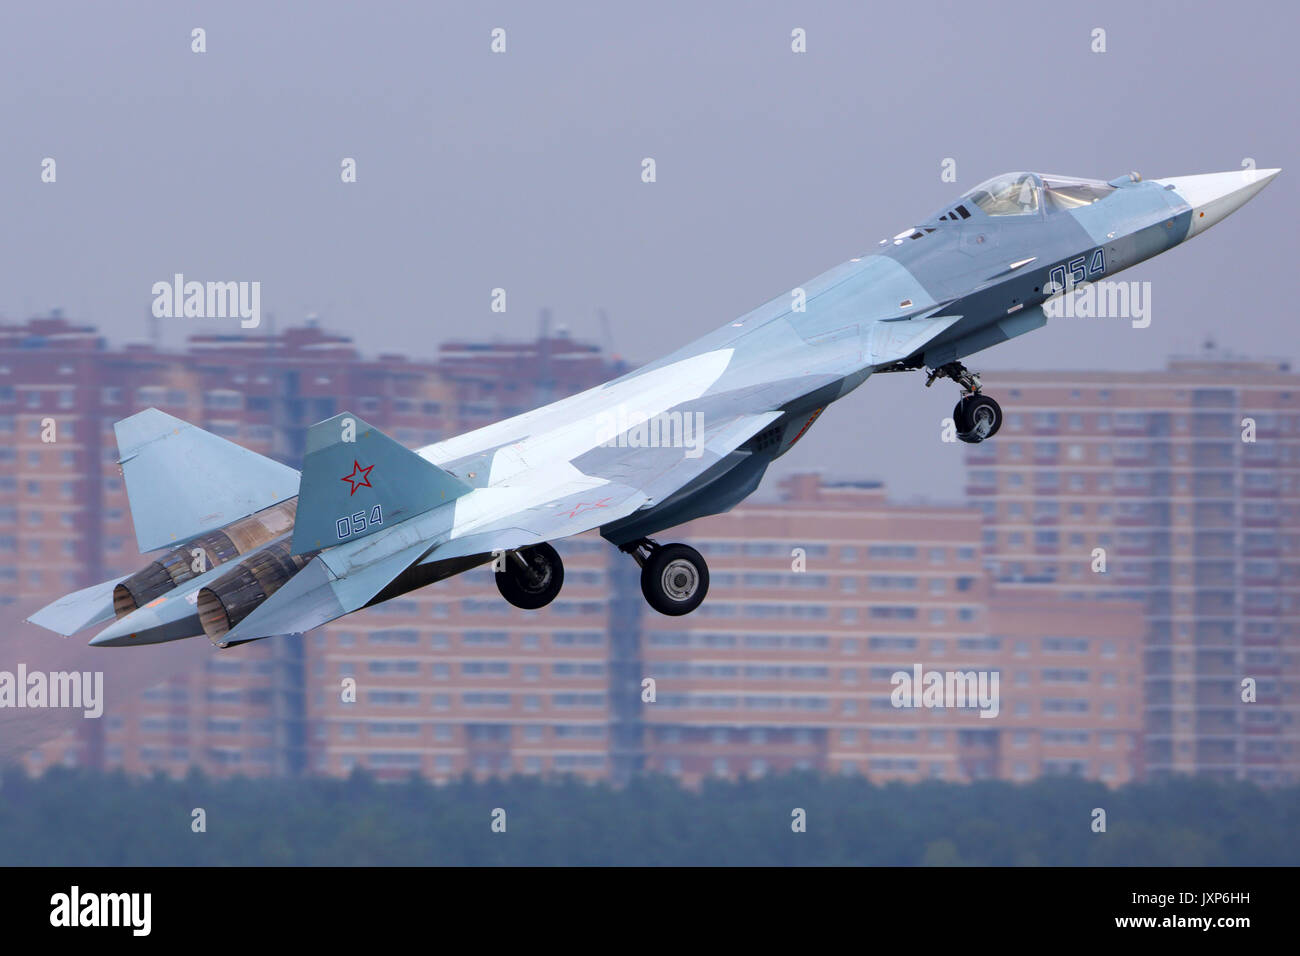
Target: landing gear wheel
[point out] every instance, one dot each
(532, 577)
(674, 579)
(977, 417)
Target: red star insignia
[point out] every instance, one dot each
(358, 482)
(584, 506)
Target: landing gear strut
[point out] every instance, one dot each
(976, 415)
(531, 577)
(674, 577)
(968, 380)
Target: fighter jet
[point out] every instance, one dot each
(248, 548)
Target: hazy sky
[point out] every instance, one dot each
(522, 170)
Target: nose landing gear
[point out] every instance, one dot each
(976, 415)
(674, 577)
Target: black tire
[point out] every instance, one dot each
(539, 584)
(674, 579)
(978, 418)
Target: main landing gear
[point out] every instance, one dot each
(976, 415)
(531, 578)
(674, 577)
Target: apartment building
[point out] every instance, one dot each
(1179, 489)
(819, 598)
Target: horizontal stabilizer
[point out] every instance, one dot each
(182, 481)
(356, 481)
(78, 610)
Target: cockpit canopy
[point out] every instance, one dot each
(1023, 194)
(1070, 192)
(1011, 194)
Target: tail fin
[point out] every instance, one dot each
(356, 481)
(182, 481)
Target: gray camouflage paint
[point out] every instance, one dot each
(946, 289)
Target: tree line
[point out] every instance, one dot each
(72, 817)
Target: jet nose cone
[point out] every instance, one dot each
(1214, 196)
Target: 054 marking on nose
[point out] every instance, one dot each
(1095, 265)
